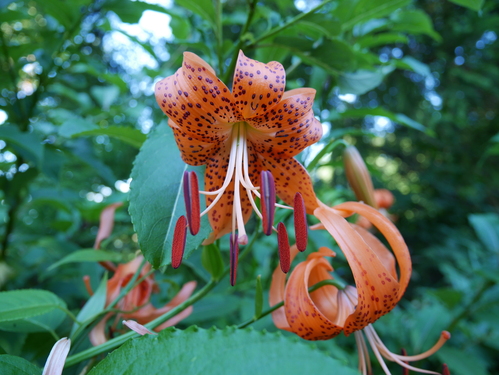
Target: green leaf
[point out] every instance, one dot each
(105, 95)
(156, 197)
(212, 261)
(486, 227)
(30, 310)
(11, 365)
(472, 4)
(242, 351)
(258, 297)
(362, 81)
(461, 362)
(382, 39)
(89, 255)
(410, 63)
(134, 137)
(203, 8)
(352, 13)
(27, 144)
(396, 117)
(75, 126)
(93, 307)
(415, 22)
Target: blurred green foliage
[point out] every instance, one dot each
(414, 85)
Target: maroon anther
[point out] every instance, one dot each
(300, 219)
(234, 254)
(267, 201)
(178, 245)
(191, 199)
(283, 245)
(445, 370)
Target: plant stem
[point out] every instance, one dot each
(114, 343)
(311, 289)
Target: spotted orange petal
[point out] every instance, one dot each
(378, 291)
(196, 100)
(391, 233)
(305, 317)
(257, 86)
(290, 178)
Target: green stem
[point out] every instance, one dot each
(114, 343)
(313, 288)
(249, 19)
(327, 149)
(219, 34)
(468, 309)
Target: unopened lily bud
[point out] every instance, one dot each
(358, 176)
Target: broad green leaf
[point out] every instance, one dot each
(382, 39)
(89, 255)
(66, 13)
(203, 8)
(486, 227)
(415, 22)
(11, 365)
(362, 81)
(410, 63)
(27, 144)
(461, 362)
(76, 126)
(106, 95)
(212, 261)
(396, 117)
(94, 306)
(156, 197)
(237, 351)
(352, 13)
(472, 4)
(30, 310)
(132, 136)
(85, 154)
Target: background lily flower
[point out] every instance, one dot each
(238, 134)
(326, 312)
(136, 303)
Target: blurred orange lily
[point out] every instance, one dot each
(136, 303)
(327, 311)
(247, 139)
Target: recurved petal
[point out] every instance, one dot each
(257, 86)
(276, 293)
(305, 318)
(290, 177)
(392, 235)
(195, 99)
(378, 291)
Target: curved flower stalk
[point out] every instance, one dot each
(136, 303)
(247, 139)
(327, 311)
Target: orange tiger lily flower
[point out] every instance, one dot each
(136, 303)
(327, 311)
(247, 139)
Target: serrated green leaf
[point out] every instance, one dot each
(11, 365)
(156, 197)
(472, 4)
(89, 255)
(30, 310)
(242, 351)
